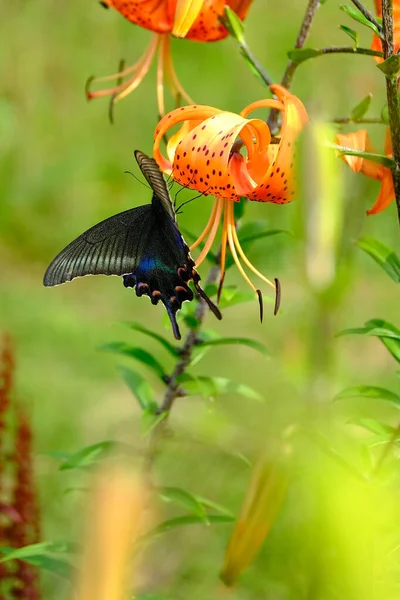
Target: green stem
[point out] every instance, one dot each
(395, 436)
(391, 94)
(364, 10)
(370, 121)
(254, 63)
(311, 11)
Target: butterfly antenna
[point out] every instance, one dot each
(210, 303)
(191, 200)
(137, 179)
(172, 317)
(184, 187)
(111, 105)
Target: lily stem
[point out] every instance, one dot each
(311, 11)
(370, 121)
(391, 94)
(346, 50)
(174, 389)
(255, 65)
(364, 10)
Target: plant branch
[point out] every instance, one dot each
(255, 65)
(174, 389)
(391, 93)
(370, 121)
(311, 11)
(364, 10)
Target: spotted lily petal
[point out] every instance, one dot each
(149, 14)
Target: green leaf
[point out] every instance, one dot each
(385, 331)
(258, 346)
(212, 387)
(35, 554)
(159, 338)
(299, 55)
(383, 255)
(359, 17)
(385, 114)
(367, 391)
(377, 158)
(150, 420)
(214, 506)
(391, 66)
(373, 426)
(88, 456)
(184, 499)
(234, 25)
(351, 33)
(140, 387)
(138, 354)
(361, 109)
(188, 520)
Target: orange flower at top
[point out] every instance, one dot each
(377, 42)
(360, 141)
(194, 19)
(228, 156)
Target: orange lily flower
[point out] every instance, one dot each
(360, 141)
(377, 42)
(194, 19)
(228, 156)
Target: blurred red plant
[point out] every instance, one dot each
(19, 521)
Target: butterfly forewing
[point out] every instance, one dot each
(155, 178)
(112, 247)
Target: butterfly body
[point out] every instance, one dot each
(143, 245)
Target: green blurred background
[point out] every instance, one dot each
(62, 169)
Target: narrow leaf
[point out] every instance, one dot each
(234, 25)
(377, 158)
(139, 386)
(359, 17)
(237, 341)
(138, 354)
(361, 108)
(150, 420)
(212, 387)
(88, 456)
(383, 255)
(367, 391)
(373, 426)
(351, 33)
(391, 66)
(299, 55)
(184, 499)
(159, 338)
(387, 333)
(189, 520)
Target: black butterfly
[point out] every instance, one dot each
(142, 244)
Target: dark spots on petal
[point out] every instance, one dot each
(207, 152)
(204, 126)
(228, 186)
(184, 154)
(221, 153)
(225, 145)
(278, 169)
(194, 137)
(207, 163)
(212, 155)
(220, 173)
(213, 172)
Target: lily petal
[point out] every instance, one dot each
(360, 140)
(186, 13)
(386, 194)
(150, 14)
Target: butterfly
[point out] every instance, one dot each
(143, 245)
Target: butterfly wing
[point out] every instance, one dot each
(156, 180)
(111, 247)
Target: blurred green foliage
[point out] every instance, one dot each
(62, 169)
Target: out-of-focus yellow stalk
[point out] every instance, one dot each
(322, 187)
(264, 498)
(115, 519)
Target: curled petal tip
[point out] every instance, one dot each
(186, 14)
